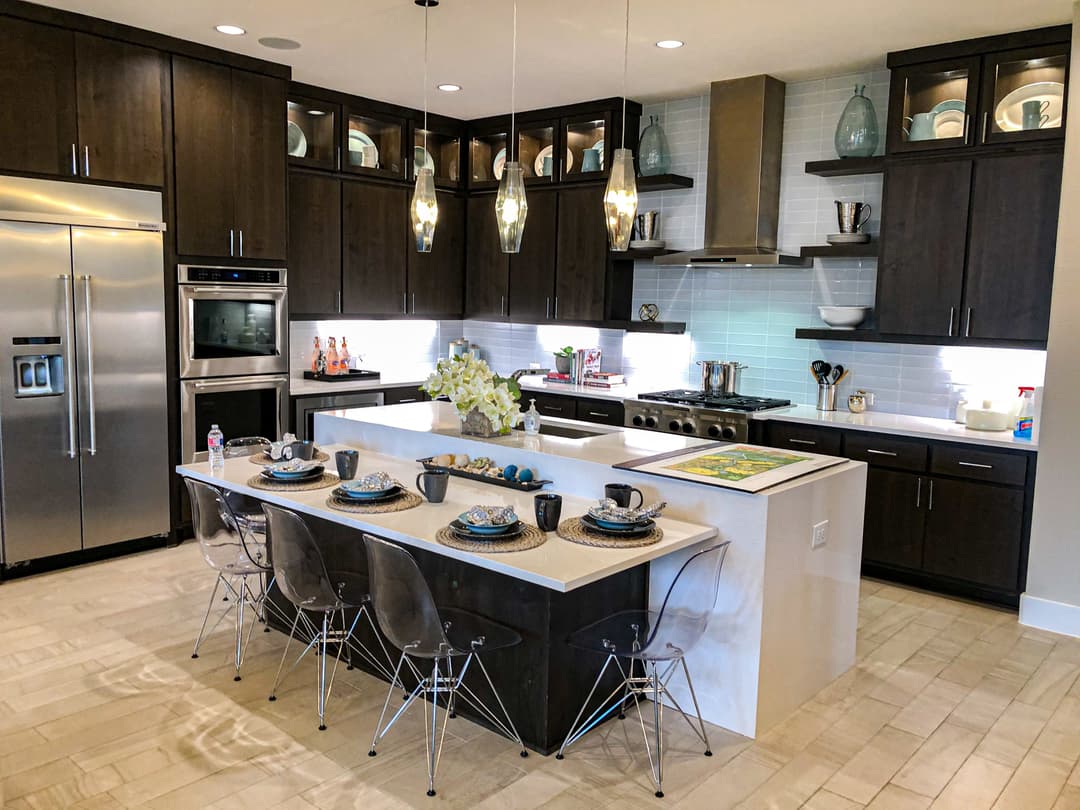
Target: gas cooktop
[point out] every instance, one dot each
(699, 399)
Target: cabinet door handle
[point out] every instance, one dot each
(337, 160)
(241, 241)
(502, 304)
(337, 305)
(547, 307)
(74, 160)
(405, 303)
(967, 127)
(967, 325)
(976, 466)
(414, 303)
(881, 452)
(807, 442)
(556, 308)
(918, 493)
(86, 161)
(930, 505)
(232, 240)
(952, 314)
(986, 121)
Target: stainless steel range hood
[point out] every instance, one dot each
(742, 193)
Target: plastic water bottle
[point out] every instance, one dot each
(215, 445)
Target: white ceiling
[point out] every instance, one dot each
(570, 50)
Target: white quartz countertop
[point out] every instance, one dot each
(558, 564)
(299, 387)
(536, 382)
(897, 424)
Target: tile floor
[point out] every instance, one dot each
(950, 706)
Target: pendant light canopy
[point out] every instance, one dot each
(511, 207)
(424, 210)
(620, 197)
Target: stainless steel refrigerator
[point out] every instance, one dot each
(83, 416)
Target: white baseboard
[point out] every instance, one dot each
(1046, 614)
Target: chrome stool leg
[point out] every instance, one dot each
(206, 618)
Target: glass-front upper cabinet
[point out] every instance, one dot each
(931, 105)
(487, 154)
(312, 132)
(536, 152)
(441, 154)
(374, 145)
(587, 148)
(1024, 94)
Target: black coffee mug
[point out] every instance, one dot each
(346, 464)
(548, 511)
(432, 483)
(620, 493)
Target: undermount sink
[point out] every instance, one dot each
(564, 431)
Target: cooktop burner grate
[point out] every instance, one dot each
(735, 402)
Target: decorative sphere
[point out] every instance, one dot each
(525, 475)
(510, 472)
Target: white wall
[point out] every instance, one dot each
(1052, 600)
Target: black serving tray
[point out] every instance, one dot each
(527, 486)
(354, 375)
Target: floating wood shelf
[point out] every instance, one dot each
(865, 250)
(641, 253)
(846, 167)
(873, 336)
(664, 182)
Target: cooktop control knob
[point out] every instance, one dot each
(650, 421)
(674, 426)
(714, 431)
(687, 427)
(638, 421)
(728, 432)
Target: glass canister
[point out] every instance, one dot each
(654, 153)
(857, 129)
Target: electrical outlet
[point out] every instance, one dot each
(821, 534)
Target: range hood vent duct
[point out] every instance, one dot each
(742, 191)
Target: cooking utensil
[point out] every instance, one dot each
(821, 369)
(836, 373)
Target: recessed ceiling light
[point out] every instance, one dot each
(279, 43)
(670, 43)
(449, 88)
(231, 30)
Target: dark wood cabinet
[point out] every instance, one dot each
(600, 411)
(436, 280)
(894, 520)
(1011, 246)
(403, 395)
(314, 244)
(921, 271)
(532, 271)
(931, 104)
(974, 532)
(229, 142)
(810, 439)
(375, 235)
(119, 89)
(581, 255)
(487, 272)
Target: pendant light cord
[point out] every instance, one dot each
(625, 62)
(427, 7)
(513, 87)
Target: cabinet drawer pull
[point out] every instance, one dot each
(977, 466)
(551, 409)
(881, 452)
(594, 413)
(802, 441)
(403, 401)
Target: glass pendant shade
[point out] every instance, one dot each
(511, 208)
(424, 210)
(620, 200)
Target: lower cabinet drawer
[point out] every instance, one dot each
(604, 412)
(979, 465)
(884, 451)
(810, 439)
(548, 405)
(399, 396)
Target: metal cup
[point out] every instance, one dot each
(432, 484)
(346, 461)
(647, 222)
(548, 511)
(851, 216)
(620, 493)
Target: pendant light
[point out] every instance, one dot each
(511, 208)
(424, 210)
(620, 197)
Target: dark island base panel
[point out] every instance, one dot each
(543, 680)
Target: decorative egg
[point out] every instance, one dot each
(510, 472)
(461, 460)
(445, 460)
(525, 475)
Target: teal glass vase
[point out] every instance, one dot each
(654, 154)
(857, 129)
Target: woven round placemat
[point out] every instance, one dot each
(407, 500)
(323, 481)
(262, 459)
(532, 537)
(571, 529)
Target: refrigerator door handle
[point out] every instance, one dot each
(90, 367)
(68, 381)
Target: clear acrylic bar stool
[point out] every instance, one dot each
(410, 619)
(302, 577)
(657, 642)
(238, 554)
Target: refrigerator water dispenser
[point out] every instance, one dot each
(39, 375)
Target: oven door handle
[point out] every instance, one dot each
(199, 385)
(270, 291)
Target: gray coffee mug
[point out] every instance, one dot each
(620, 493)
(432, 483)
(347, 461)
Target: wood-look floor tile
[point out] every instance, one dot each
(824, 800)
(1036, 784)
(937, 760)
(976, 786)
(1014, 732)
(929, 708)
(892, 797)
(866, 773)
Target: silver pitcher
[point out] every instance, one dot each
(852, 216)
(648, 223)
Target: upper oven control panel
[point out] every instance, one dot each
(201, 274)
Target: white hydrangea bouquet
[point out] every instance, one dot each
(486, 402)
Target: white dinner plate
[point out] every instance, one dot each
(362, 150)
(949, 124)
(422, 159)
(1009, 113)
(547, 151)
(297, 141)
(498, 163)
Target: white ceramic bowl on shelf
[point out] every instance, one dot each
(843, 317)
